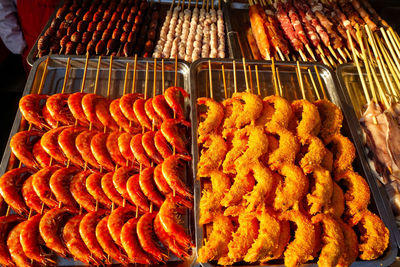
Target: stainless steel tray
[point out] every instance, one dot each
(199, 75)
(54, 82)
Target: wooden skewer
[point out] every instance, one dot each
(97, 75)
(45, 70)
(322, 55)
(303, 57)
(393, 42)
(389, 62)
(250, 79)
(347, 53)
(172, 5)
(391, 48)
(245, 75)
(333, 52)
(109, 77)
(279, 82)
(300, 79)
(320, 82)
(219, 4)
(314, 85)
(176, 71)
(197, 1)
(234, 75)
(276, 89)
(278, 50)
(311, 52)
(85, 73)
(258, 81)
(224, 81)
(134, 74)
(189, 4)
(210, 78)
(342, 54)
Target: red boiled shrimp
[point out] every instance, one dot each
(75, 106)
(172, 169)
(29, 105)
(145, 234)
(138, 108)
(136, 194)
(48, 118)
(120, 178)
(15, 248)
(93, 186)
(40, 155)
(89, 102)
(82, 142)
(170, 223)
(40, 183)
(99, 150)
(113, 148)
(21, 145)
(126, 104)
(121, 120)
(74, 242)
(102, 108)
(6, 224)
(162, 145)
(172, 98)
(58, 108)
(108, 187)
(31, 199)
(67, 141)
(80, 193)
(149, 189)
(107, 243)
(49, 228)
(130, 243)
(124, 144)
(151, 113)
(87, 230)
(49, 143)
(10, 187)
(161, 107)
(176, 132)
(138, 150)
(117, 219)
(59, 183)
(150, 148)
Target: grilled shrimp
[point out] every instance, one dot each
(124, 144)
(161, 145)
(10, 187)
(161, 107)
(83, 141)
(145, 234)
(131, 245)
(87, 230)
(136, 194)
(21, 145)
(175, 131)
(40, 183)
(107, 243)
(108, 187)
(212, 118)
(151, 113)
(120, 179)
(58, 108)
(120, 119)
(102, 109)
(67, 140)
(48, 118)
(49, 228)
(150, 148)
(100, 152)
(30, 107)
(126, 104)
(80, 193)
(15, 248)
(138, 150)
(60, 186)
(172, 97)
(40, 155)
(6, 224)
(49, 143)
(172, 169)
(32, 200)
(149, 189)
(74, 242)
(75, 106)
(252, 108)
(89, 102)
(93, 186)
(140, 113)
(113, 148)
(117, 219)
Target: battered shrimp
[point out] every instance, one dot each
(120, 119)
(126, 105)
(287, 150)
(140, 113)
(113, 148)
(344, 153)
(151, 113)
(40, 183)
(117, 219)
(282, 112)
(284, 238)
(314, 156)
(21, 145)
(31, 199)
(233, 108)
(299, 251)
(175, 132)
(30, 107)
(136, 194)
(58, 108)
(243, 184)
(66, 141)
(173, 169)
(149, 189)
(102, 109)
(100, 152)
(40, 155)
(150, 148)
(10, 187)
(309, 121)
(75, 106)
(93, 187)
(161, 107)
(15, 248)
(210, 201)
(212, 154)
(239, 145)
(138, 150)
(327, 162)
(357, 195)
(252, 108)
(321, 193)
(331, 118)
(172, 97)
(89, 102)
(336, 203)
(292, 189)
(82, 142)
(108, 187)
(80, 192)
(50, 144)
(212, 118)
(120, 178)
(60, 183)
(131, 245)
(124, 141)
(350, 250)
(215, 246)
(332, 240)
(6, 224)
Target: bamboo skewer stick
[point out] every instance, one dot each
(258, 82)
(276, 89)
(389, 62)
(245, 75)
(210, 78)
(300, 79)
(250, 80)
(234, 75)
(224, 82)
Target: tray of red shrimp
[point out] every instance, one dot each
(99, 172)
(280, 177)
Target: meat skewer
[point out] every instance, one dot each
(166, 53)
(205, 48)
(185, 32)
(178, 33)
(259, 30)
(221, 32)
(213, 32)
(197, 44)
(163, 33)
(192, 33)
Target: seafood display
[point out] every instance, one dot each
(89, 190)
(277, 180)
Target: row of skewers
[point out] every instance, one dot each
(312, 29)
(102, 28)
(73, 174)
(190, 35)
(267, 163)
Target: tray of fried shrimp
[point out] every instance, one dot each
(95, 143)
(280, 180)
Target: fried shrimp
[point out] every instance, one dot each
(332, 240)
(239, 145)
(233, 108)
(314, 156)
(21, 145)
(282, 112)
(331, 118)
(350, 251)
(374, 237)
(286, 151)
(300, 250)
(243, 184)
(221, 234)
(321, 193)
(257, 146)
(212, 118)
(212, 154)
(344, 153)
(309, 121)
(292, 189)
(357, 195)
(252, 108)
(210, 201)
(336, 203)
